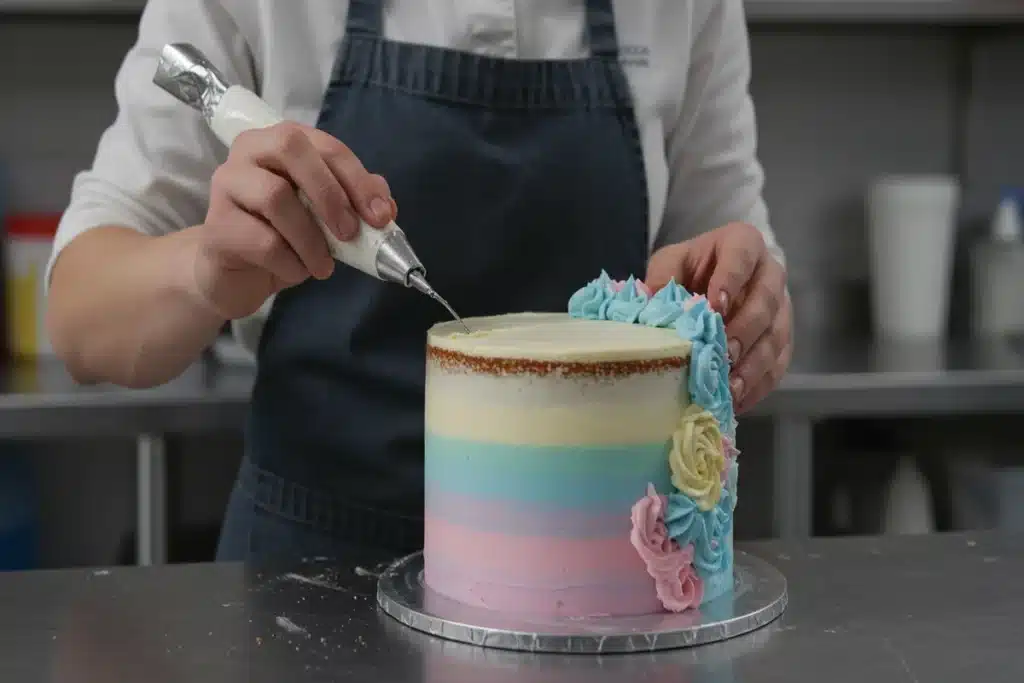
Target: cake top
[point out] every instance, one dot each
(557, 337)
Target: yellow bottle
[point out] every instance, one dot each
(28, 247)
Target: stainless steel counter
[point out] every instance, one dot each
(937, 609)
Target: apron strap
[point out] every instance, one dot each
(365, 18)
(601, 27)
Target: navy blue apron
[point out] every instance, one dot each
(517, 182)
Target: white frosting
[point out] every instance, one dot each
(557, 337)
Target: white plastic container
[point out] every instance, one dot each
(911, 227)
(29, 241)
(997, 274)
(908, 501)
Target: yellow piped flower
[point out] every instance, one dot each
(696, 459)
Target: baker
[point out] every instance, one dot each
(528, 143)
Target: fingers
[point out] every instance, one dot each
(369, 193)
(339, 188)
(247, 240)
(287, 150)
(688, 262)
(763, 367)
(287, 223)
(737, 256)
(665, 264)
(747, 286)
(756, 307)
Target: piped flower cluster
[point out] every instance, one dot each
(681, 535)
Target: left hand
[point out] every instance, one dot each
(743, 282)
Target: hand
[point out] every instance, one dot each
(258, 238)
(743, 282)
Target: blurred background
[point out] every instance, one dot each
(892, 137)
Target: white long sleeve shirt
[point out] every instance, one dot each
(687, 63)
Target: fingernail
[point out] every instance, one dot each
(723, 303)
(734, 350)
(328, 271)
(349, 226)
(380, 209)
(736, 384)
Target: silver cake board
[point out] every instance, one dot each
(759, 597)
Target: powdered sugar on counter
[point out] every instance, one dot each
(290, 626)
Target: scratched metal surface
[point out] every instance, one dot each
(928, 609)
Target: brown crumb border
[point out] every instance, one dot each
(456, 361)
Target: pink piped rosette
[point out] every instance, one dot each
(671, 566)
(682, 534)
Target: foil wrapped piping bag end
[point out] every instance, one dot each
(185, 73)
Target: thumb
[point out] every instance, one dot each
(667, 263)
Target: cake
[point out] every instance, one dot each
(581, 464)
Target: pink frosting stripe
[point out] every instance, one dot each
(519, 519)
(532, 560)
(569, 601)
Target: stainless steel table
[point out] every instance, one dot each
(826, 380)
(932, 609)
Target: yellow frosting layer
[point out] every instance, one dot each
(553, 425)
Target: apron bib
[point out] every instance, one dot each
(516, 181)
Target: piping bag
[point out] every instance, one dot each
(230, 110)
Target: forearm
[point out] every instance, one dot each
(122, 307)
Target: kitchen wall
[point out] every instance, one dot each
(836, 106)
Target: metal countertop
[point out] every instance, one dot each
(826, 379)
(932, 609)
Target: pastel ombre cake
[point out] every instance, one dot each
(577, 464)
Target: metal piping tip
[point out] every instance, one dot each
(419, 283)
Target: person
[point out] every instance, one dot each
(527, 145)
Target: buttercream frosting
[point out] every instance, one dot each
(683, 537)
(558, 337)
(649, 534)
(670, 565)
(730, 452)
(706, 530)
(682, 588)
(631, 301)
(696, 458)
(731, 480)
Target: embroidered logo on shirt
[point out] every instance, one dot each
(634, 55)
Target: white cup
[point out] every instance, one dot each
(911, 228)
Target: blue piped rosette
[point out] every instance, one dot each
(694, 519)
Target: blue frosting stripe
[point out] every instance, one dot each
(563, 477)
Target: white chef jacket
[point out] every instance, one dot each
(687, 63)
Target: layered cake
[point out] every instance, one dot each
(582, 464)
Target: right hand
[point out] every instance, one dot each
(258, 238)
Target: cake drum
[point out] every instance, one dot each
(759, 597)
